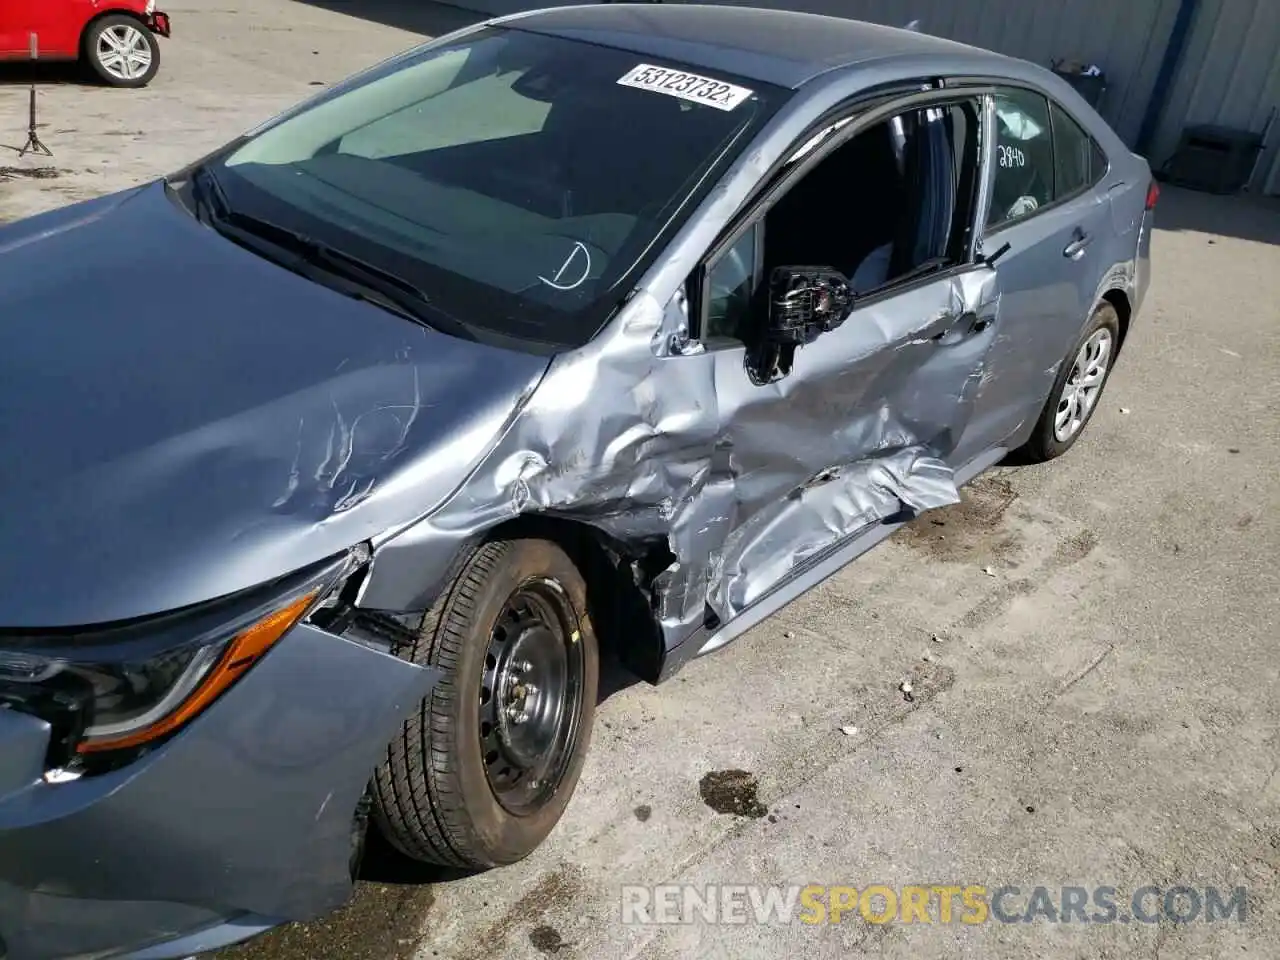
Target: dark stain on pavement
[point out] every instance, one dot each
(30, 173)
(546, 939)
(383, 920)
(928, 680)
(969, 531)
(732, 792)
(1073, 549)
(643, 812)
(557, 888)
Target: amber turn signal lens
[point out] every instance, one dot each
(244, 650)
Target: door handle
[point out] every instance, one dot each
(1079, 241)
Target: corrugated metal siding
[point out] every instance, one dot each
(1127, 38)
(1230, 75)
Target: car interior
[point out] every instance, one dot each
(523, 198)
(854, 202)
(894, 199)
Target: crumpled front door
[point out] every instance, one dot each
(862, 429)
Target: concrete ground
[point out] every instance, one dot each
(1101, 708)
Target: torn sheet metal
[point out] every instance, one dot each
(656, 442)
(830, 508)
(338, 423)
(741, 482)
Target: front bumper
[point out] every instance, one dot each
(240, 822)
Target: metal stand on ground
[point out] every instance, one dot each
(34, 143)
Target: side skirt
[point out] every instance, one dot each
(806, 578)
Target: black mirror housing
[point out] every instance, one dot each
(805, 302)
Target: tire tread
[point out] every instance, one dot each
(419, 805)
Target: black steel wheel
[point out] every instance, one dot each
(482, 772)
(531, 695)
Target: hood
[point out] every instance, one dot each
(181, 419)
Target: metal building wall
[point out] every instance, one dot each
(1230, 76)
(1127, 38)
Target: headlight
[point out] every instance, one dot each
(128, 686)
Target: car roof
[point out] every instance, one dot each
(781, 47)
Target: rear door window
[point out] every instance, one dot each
(1024, 167)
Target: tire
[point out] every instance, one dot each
(105, 43)
(1049, 440)
(441, 794)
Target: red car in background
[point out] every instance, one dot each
(116, 38)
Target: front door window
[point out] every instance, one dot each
(893, 203)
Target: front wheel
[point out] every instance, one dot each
(483, 770)
(122, 51)
(1077, 389)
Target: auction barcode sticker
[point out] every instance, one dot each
(686, 86)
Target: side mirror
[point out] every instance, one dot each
(805, 302)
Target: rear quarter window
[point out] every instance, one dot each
(1099, 164)
(1078, 160)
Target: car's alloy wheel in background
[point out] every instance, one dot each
(1077, 389)
(1084, 384)
(122, 51)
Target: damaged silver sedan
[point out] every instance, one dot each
(338, 458)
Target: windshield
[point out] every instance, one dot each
(518, 180)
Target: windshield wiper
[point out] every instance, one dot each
(356, 278)
(208, 195)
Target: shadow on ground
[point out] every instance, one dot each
(384, 920)
(1247, 216)
(426, 18)
(24, 72)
